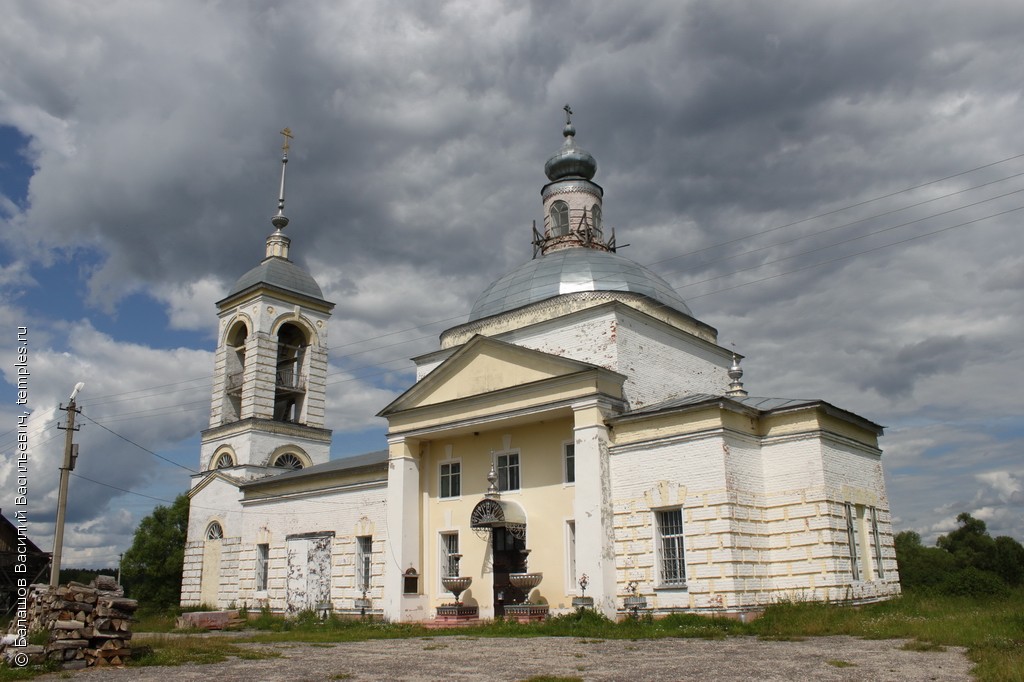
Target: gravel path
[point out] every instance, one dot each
(468, 658)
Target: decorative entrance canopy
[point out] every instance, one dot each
(490, 513)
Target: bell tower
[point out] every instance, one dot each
(270, 371)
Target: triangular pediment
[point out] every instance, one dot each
(212, 477)
(484, 365)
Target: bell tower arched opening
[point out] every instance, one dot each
(290, 379)
(234, 358)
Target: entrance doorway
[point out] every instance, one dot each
(509, 554)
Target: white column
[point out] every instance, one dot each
(403, 516)
(595, 546)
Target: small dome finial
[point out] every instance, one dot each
(568, 130)
(736, 389)
(492, 480)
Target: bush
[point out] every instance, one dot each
(972, 582)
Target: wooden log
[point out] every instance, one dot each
(67, 625)
(120, 603)
(106, 582)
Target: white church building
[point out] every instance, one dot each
(581, 422)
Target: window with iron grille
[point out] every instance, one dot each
(851, 540)
(262, 561)
(364, 556)
(670, 545)
(877, 537)
(449, 554)
(508, 472)
(451, 479)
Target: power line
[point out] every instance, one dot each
(129, 440)
(844, 241)
(859, 253)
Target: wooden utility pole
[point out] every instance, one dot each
(70, 455)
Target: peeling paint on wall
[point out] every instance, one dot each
(309, 573)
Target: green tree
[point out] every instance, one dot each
(151, 568)
(1008, 562)
(970, 544)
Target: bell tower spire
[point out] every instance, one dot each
(277, 242)
(268, 404)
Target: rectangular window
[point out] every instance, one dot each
(851, 540)
(570, 462)
(570, 548)
(670, 544)
(508, 472)
(449, 554)
(364, 563)
(877, 538)
(451, 479)
(262, 561)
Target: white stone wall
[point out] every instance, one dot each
(192, 573)
(660, 363)
(347, 513)
(760, 523)
(255, 448)
(663, 364)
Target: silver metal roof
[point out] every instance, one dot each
(570, 270)
(376, 458)
(280, 273)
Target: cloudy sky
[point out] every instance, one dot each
(836, 187)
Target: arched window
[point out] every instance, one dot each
(224, 460)
(288, 461)
(595, 218)
(559, 219)
(214, 531)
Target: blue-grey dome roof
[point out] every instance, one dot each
(280, 273)
(570, 270)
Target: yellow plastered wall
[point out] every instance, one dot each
(544, 496)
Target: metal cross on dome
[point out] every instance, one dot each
(568, 114)
(287, 132)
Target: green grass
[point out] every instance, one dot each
(179, 650)
(991, 630)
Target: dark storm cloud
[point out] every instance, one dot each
(420, 138)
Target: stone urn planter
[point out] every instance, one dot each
(635, 603)
(526, 612)
(457, 584)
(457, 613)
(525, 581)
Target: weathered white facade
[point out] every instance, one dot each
(581, 423)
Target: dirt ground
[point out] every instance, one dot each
(469, 658)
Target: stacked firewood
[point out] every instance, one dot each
(88, 625)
